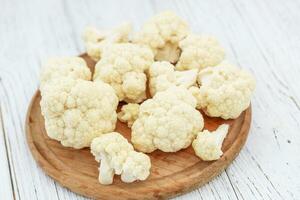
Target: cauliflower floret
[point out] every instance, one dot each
(123, 66)
(199, 52)
(168, 121)
(170, 52)
(129, 113)
(136, 167)
(225, 91)
(117, 156)
(112, 150)
(196, 93)
(162, 34)
(208, 144)
(76, 111)
(163, 76)
(134, 86)
(73, 67)
(97, 40)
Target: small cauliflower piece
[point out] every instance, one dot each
(112, 150)
(123, 66)
(162, 76)
(129, 113)
(195, 91)
(73, 67)
(208, 145)
(97, 40)
(162, 34)
(136, 167)
(168, 121)
(117, 156)
(199, 52)
(170, 52)
(76, 111)
(225, 91)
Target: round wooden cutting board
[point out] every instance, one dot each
(171, 173)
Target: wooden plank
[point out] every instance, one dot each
(19, 80)
(257, 50)
(6, 189)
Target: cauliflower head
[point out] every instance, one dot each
(199, 52)
(73, 67)
(225, 91)
(123, 66)
(117, 156)
(129, 113)
(162, 34)
(163, 76)
(97, 40)
(168, 121)
(208, 145)
(76, 111)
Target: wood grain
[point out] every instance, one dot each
(171, 173)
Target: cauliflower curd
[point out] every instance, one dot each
(117, 156)
(225, 91)
(73, 67)
(168, 121)
(129, 113)
(123, 66)
(76, 111)
(208, 144)
(162, 34)
(97, 40)
(199, 52)
(162, 76)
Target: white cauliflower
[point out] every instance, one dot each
(225, 91)
(123, 66)
(97, 40)
(76, 111)
(162, 34)
(136, 167)
(170, 52)
(196, 93)
(117, 156)
(168, 121)
(162, 76)
(208, 144)
(129, 113)
(199, 52)
(73, 67)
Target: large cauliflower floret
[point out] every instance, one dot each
(76, 111)
(225, 91)
(117, 156)
(199, 52)
(163, 76)
(208, 144)
(162, 34)
(73, 67)
(97, 40)
(129, 113)
(168, 121)
(123, 66)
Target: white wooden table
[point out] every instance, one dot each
(260, 35)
